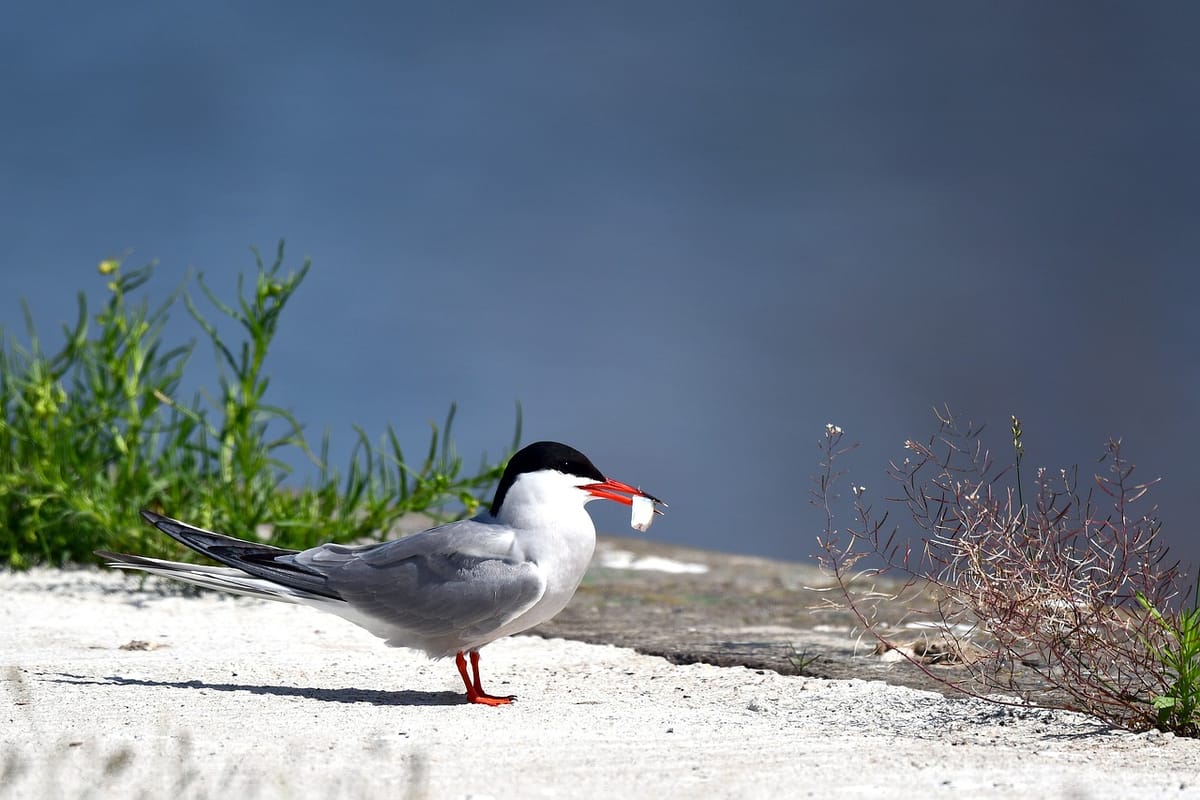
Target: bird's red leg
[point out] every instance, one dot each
(475, 692)
(480, 695)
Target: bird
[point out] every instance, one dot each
(446, 591)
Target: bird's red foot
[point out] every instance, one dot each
(475, 692)
(489, 700)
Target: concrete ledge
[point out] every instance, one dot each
(111, 688)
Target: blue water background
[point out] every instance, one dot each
(684, 236)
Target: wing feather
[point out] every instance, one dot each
(459, 581)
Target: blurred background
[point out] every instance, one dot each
(684, 236)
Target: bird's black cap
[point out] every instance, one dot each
(544, 455)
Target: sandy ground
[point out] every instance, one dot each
(224, 697)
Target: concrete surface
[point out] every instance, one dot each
(111, 689)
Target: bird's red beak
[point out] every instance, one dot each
(621, 493)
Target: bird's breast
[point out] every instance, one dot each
(562, 557)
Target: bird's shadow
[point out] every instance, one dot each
(372, 696)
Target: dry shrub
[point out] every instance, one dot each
(1036, 600)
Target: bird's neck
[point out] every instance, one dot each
(562, 517)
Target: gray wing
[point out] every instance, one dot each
(467, 579)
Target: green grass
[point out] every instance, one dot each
(1178, 706)
(97, 429)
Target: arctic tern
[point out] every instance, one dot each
(446, 591)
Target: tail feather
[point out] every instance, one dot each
(257, 569)
(225, 579)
